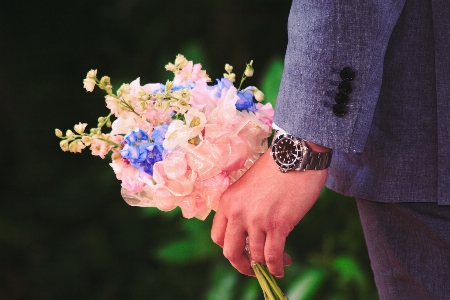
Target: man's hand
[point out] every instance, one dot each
(265, 205)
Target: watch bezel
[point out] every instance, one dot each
(298, 152)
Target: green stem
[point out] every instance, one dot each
(242, 81)
(271, 281)
(109, 142)
(263, 283)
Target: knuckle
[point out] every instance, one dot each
(272, 258)
(255, 220)
(280, 227)
(258, 258)
(230, 255)
(235, 214)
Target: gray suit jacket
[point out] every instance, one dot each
(391, 131)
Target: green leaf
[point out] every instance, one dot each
(196, 245)
(349, 271)
(252, 291)
(271, 79)
(224, 283)
(306, 285)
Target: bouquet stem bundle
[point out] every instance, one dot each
(268, 283)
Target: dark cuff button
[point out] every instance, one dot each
(345, 87)
(340, 109)
(347, 74)
(341, 98)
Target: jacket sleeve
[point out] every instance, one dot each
(315, 101)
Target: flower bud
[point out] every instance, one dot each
(249, 69)
(69, 133)
(108, 88)
(259, 96)
(231, 77)
(64, 144)
(58, 133)
(228, 68)
(105, 81)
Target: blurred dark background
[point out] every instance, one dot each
(65, 232)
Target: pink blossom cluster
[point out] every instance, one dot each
(181, 144)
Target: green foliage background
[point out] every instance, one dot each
(65, 232)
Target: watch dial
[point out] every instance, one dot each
(287, 151)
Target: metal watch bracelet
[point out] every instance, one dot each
(314, 160)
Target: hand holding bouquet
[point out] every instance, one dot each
(182, 143)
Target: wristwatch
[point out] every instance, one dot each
(292, 153)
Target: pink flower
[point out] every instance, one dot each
(265, 113)
(191, 73)
(100, 148)
(128, 174)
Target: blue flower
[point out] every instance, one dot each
(159, 133)
(245, 100)
(141, 153)
(221, 84)
(188, 84)
(136, 135)
(154, 154)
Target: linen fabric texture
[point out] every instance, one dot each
(392, 142)
(408, 246)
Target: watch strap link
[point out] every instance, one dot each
(314, 160)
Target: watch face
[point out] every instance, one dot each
(287, 151)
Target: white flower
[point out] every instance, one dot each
(123, 124)
(178, 134)
(114, 105)
(89, 84)
(76, 146)
(91, 74)
(181, 61)
(64, 144)
(87, 140)
(80, 127)
(195, 117)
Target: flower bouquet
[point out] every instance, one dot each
(182, 143)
